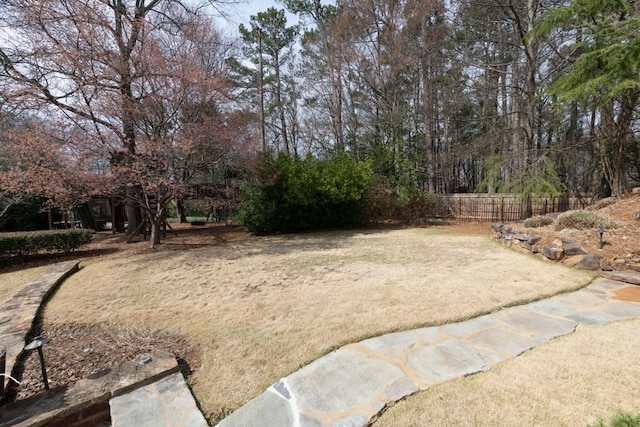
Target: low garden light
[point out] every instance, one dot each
(37, 343)
(601, 233)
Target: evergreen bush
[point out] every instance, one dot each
(293, 194)
(30, 243)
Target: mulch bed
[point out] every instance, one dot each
(77, 351)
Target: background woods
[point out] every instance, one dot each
(146, 100)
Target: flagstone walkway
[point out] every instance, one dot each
(351, 385)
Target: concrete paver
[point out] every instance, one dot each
(349, 386)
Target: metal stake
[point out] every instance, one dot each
(37, 343)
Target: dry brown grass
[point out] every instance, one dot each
(260, 308)
(11, 281)
(573, 381)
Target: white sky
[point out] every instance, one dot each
(241, 12)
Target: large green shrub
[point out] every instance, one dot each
(24, 216)
(291, 194)
(34, 242)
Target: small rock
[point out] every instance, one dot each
(636, 190)
(568, 232)
(533, 239)
(525, 245)
(619, 264)
(497, 227)
(634, 267)
(607, 267)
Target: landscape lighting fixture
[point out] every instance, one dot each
(37, 343)
(601, 232)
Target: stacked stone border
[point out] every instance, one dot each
(563, 249)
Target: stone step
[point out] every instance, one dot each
(166, 402)
(623, 276)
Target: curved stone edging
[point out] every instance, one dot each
(18, 313)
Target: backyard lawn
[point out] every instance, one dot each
(259, 308)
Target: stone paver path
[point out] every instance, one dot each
(17, 314)
(348, 387)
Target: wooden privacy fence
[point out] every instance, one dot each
(499, 207)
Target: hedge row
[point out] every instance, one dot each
(34, 242)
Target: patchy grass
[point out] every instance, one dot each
(262, 307)
(576, 380)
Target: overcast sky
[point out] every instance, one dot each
(240, 13)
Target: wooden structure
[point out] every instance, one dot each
(499, 207)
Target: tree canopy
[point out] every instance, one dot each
(146, 100)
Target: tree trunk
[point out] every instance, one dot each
(427, 105)
(182, 217)
(156, 226)
(132, 209)
(263, 136)
(283, 122)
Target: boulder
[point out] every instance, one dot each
(589, 262)
(571, 248)
(530, 239)
(553, 252)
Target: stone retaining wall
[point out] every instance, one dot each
(562, 249)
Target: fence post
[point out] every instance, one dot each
(501, 209)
